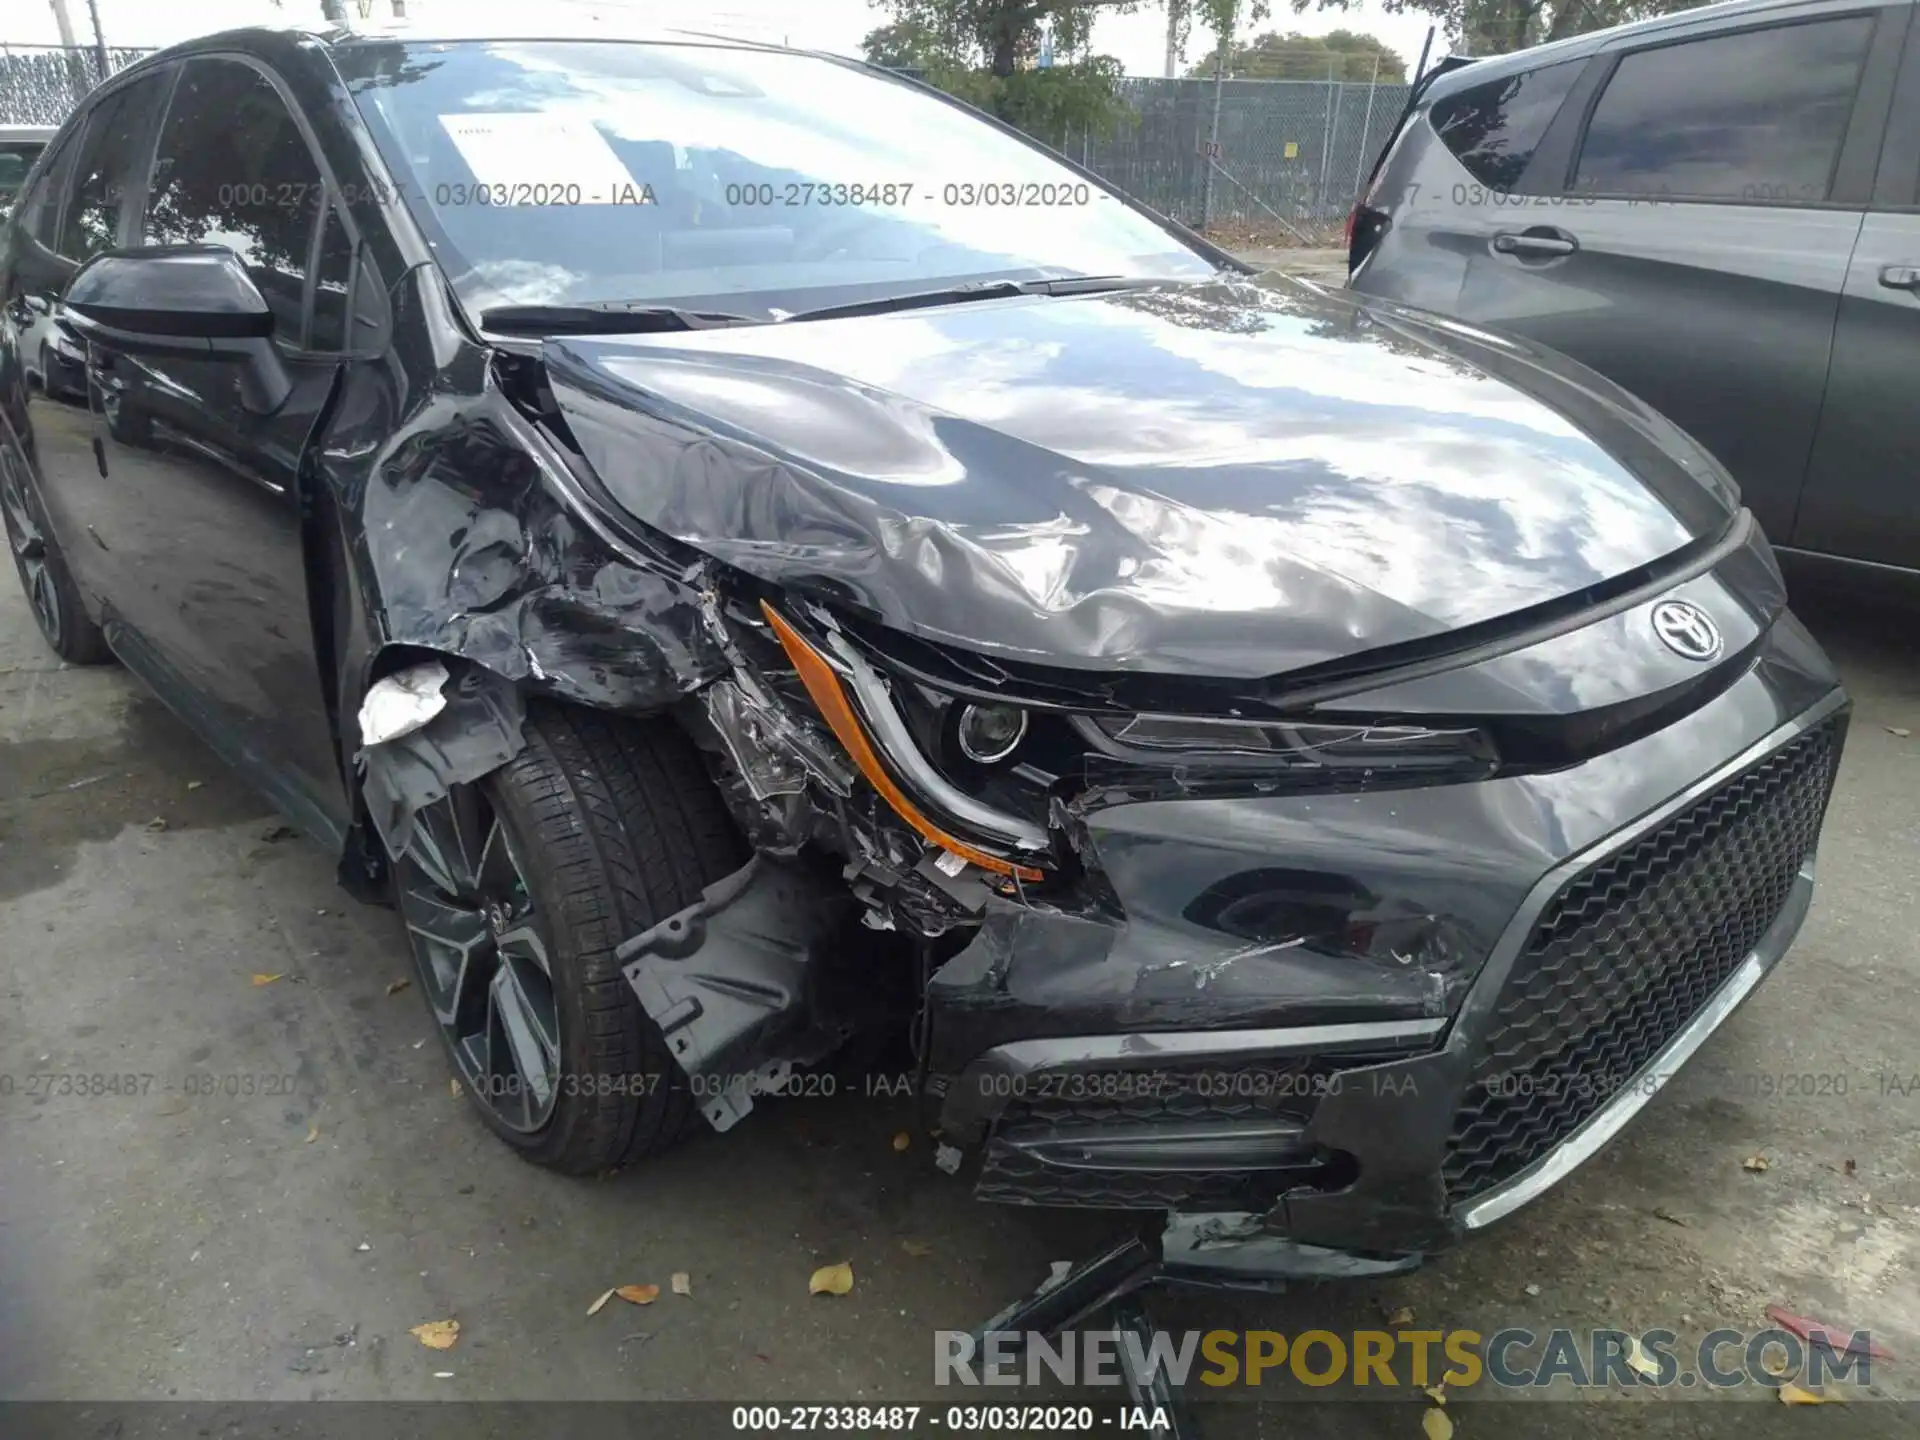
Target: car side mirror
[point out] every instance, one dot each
(190, 301)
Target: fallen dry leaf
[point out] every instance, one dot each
(1660, 1212)
(1774, 1364)
(682, 1283)
(453, 1085)
(437, 1334)
(1792, 1394)
(1437, 1393)
(902, 1140)
(394, 987)
(1902, 731)
(1436, 1425)
(1841, 1342)
(916, 1248)
(638, 1294)
(1402, 1316)
(597, 1306)
(1850, 1167)
(268, 979)
(1755, 1163)
(1638, 1359)
(313, 1132)
(832, 1279)
(195, 784)
(157, 823)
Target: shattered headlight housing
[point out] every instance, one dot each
(858, 705)
(978, 775)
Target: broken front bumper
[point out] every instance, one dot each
(1319, 1030)
(1284, 1125)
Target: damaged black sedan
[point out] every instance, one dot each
(746, 553)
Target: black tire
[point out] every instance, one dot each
(613, 825)
(44, 577)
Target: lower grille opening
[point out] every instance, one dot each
(1628, 952)
(1170, 1137)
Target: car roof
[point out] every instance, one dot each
(1578, 46)
(482, 23)
(281, 44)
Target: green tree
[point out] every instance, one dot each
(1338, 55)
(986, 52)
(1495, 27)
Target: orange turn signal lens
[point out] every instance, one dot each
(830, 698)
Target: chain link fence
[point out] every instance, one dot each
(40, 84)
(1284, 165)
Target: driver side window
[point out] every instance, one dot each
(233, 169)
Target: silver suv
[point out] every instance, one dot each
(1720, 211)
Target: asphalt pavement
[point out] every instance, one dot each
(286, 1186)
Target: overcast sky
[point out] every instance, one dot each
(1138, 40)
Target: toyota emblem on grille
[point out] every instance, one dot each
(1686, 630)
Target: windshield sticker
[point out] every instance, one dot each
(534, 159)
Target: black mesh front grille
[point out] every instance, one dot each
(1628, 952)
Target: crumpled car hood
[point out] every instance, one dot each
(1234, 479)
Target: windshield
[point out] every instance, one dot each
(548, 172)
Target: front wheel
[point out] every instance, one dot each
(515, 891)
(51, 593)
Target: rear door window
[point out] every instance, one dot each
(1757, 116)
(1493, 129)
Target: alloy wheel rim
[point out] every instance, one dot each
(480, 958)
(29, 548)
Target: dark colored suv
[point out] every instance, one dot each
(1719, 210)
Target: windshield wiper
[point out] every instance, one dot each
(975, 290)
(606, 317)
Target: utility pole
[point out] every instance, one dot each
(1326, 140)
(1366, 127)
(65, 22)
(1176, 13)
(99, 40)
(1213, 134)
(76, 76)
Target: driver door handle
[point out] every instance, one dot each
(1901, 277)
(1537, 244)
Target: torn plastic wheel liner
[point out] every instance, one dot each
(477, 730)
(732, 981)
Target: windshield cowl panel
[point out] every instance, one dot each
(720, 177)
